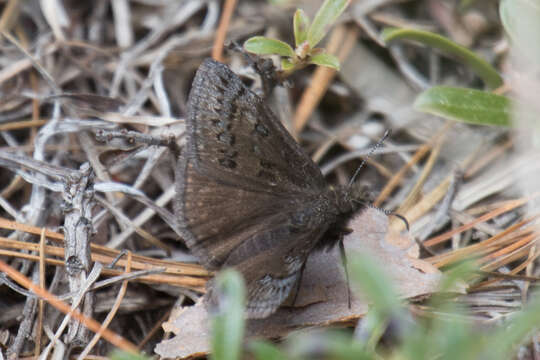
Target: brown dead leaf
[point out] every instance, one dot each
(191, 327)
(322, 298)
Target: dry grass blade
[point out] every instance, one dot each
(41, 303)
(93, 325)
(177, 274)
(420, 153)
(221, 34)
(510, 205)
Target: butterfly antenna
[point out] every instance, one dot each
(375, 147)
(391, 213)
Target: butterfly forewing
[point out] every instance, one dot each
(231, 128)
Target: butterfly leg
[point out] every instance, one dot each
(298, 283)
(344, 262)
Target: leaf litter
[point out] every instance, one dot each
(133, 62)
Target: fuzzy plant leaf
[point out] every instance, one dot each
(481, 67)
(261, 45)
(228, 320)
(325, 59)
(465, 105)
(301, 26)
(325, 17)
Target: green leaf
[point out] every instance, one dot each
(327, 344)
(374, 283)
(286, 64)
(228, 321)
(263, 350)
(521, 21)
(261, 45)
(324, 59)
(481, 67)
(465, 105)
(453, 337)
(325, 17)
(457, 275)
(301, 25)
(123, 355)
(506, 338)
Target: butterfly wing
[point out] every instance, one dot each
(272, 263)
(239, 167)
(232, 129)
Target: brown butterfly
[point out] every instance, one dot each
(248, 196)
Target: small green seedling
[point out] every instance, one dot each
(306, 35)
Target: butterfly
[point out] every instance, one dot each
(248, 196)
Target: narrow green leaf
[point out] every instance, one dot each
(415, 346)
(341, 347)
(454, 338)
(228, 320)
(325, 17)
(261, 45)
(377, 288)
(506, 338)
(324, 59)
(521, 21)
(465, 105)
(458, 274)
(326, 344)
(374, 284)
(481, 67)
(123, 355)
(301, 26)
(263, 350)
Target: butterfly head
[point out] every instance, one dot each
(352, 198)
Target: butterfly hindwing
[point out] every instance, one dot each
(271, 263)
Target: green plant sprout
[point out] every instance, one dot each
(306, 36)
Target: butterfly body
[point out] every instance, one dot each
(248, 195)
